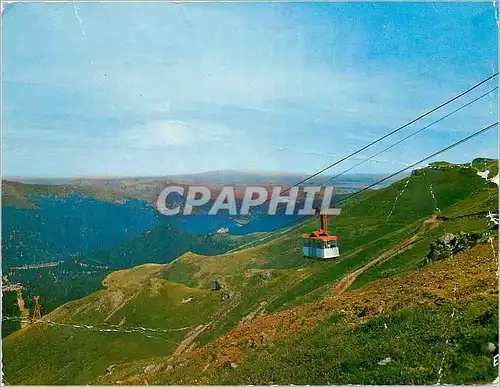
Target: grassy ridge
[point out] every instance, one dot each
(79, 355)
(152, 295)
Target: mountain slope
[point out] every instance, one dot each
(80, 275)
(172, 309)
(443, 312)
(84, 236)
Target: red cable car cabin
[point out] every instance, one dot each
(319, 244)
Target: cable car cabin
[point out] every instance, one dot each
(323, 247)
(319, 244)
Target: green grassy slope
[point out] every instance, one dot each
(76, 354)
(483, 164)
(335, 352)
(432, 325)
(151, 296)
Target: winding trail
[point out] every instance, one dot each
(188, 340)
(348, 280)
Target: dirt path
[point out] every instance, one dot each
(122, 304)
(348, 280)
(251, 329)
(191, 336)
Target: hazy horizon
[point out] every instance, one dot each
(266, 173)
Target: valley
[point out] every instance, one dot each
(61, 238)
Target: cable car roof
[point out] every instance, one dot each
(323, 238)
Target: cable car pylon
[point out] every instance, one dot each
(36, 310)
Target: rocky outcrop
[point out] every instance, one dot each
(449, 244)
(218, 284)
(226, 296)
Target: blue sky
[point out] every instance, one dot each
(164, 88)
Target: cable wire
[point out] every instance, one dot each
(410, 135)
(465, 139)
(393, 131)
(382, 138)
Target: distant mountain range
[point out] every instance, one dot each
(209, 177)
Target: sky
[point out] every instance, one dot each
(145, 89)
